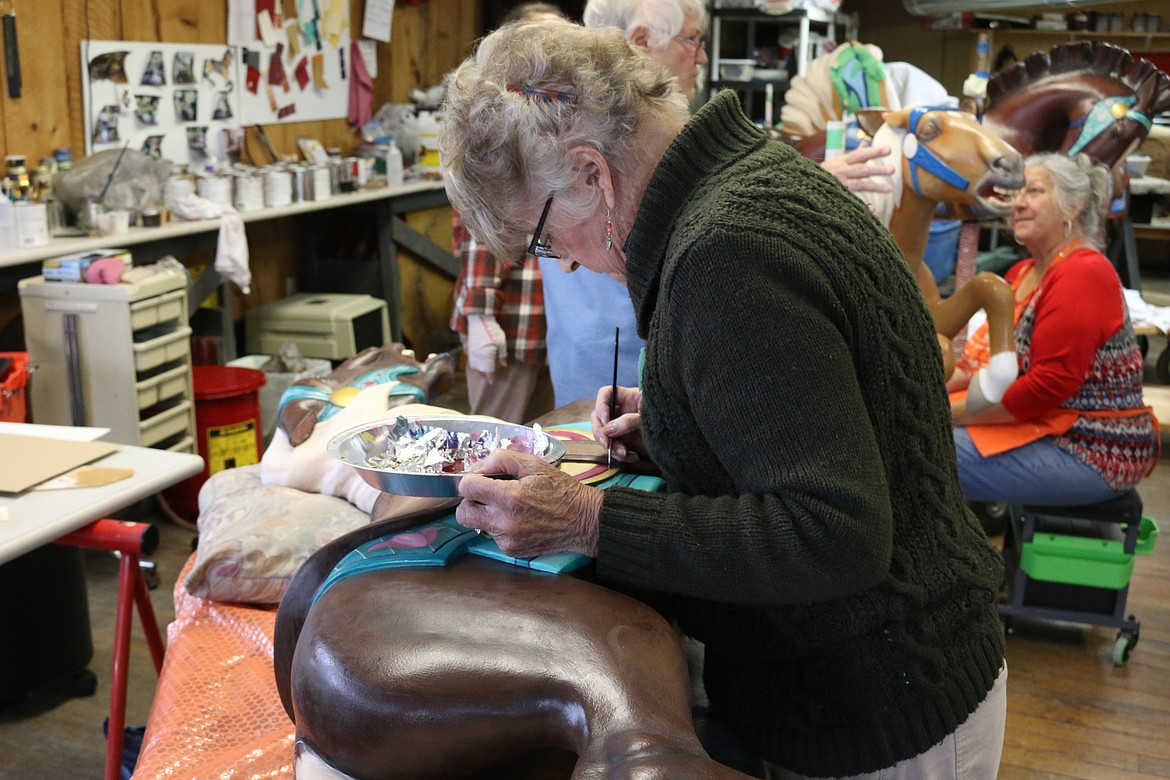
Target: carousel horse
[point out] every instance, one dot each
(477, 668)
(363, 388)
(940, 155)
(1083, 97)
(1079, 98)
(943, 155)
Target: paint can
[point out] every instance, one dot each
(277, 188)
(249, 192)
(322, 182)
(87, 218)
(7, 226)
(300, 184)
(347, 179)
(217, 189)
(175, 189)
(32, 225)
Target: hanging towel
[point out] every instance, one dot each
(231, 251)
(361, 88)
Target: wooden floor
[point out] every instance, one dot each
(1071, 712)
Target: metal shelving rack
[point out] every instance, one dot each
(724, 24)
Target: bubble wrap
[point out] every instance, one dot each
(217, 713)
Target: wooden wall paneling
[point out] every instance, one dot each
(181, 22)
(142, 20)
(38, 120)
(450, 29)
(274, 253)
(71, 93)
(405, 50)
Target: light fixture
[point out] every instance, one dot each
(933, 7)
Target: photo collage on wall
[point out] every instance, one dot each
(173, 101)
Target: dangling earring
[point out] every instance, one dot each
(1067, 228)
(608, 230)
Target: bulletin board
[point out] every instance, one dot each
(295, 67)
(167, 100)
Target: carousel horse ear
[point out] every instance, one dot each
(871, 119)
(1152, 93)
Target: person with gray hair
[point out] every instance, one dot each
(671, 32)
(499, 313)
(1073, 428)
(811, 531)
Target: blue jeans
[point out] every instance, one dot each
(1037, 473)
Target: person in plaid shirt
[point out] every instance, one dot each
(499, 316)
(499, 313)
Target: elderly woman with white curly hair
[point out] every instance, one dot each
(812, 532)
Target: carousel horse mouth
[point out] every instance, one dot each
(997, 193)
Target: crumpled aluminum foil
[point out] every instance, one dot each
(417, 448)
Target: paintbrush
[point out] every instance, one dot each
(110, 178)
(617, 332)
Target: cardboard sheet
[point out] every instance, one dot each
(30, 460)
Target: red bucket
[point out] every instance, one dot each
(227, 425)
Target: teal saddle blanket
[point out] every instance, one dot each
(442, 541)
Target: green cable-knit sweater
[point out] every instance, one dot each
(814, 534)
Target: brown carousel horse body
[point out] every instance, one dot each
(480, 669)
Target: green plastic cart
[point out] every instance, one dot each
(1074, 564)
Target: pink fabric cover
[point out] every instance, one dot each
(217, 712)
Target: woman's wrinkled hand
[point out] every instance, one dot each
(540, 510)
(624, 431)
(861, 170)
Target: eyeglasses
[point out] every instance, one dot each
(695, 43)
(539, 248)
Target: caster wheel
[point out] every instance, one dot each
(1123, 646)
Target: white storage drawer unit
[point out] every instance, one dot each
(116, 356)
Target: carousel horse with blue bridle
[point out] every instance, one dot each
(940, 155)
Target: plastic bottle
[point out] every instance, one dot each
(393, 165)
(7, 226)
(428, 143)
